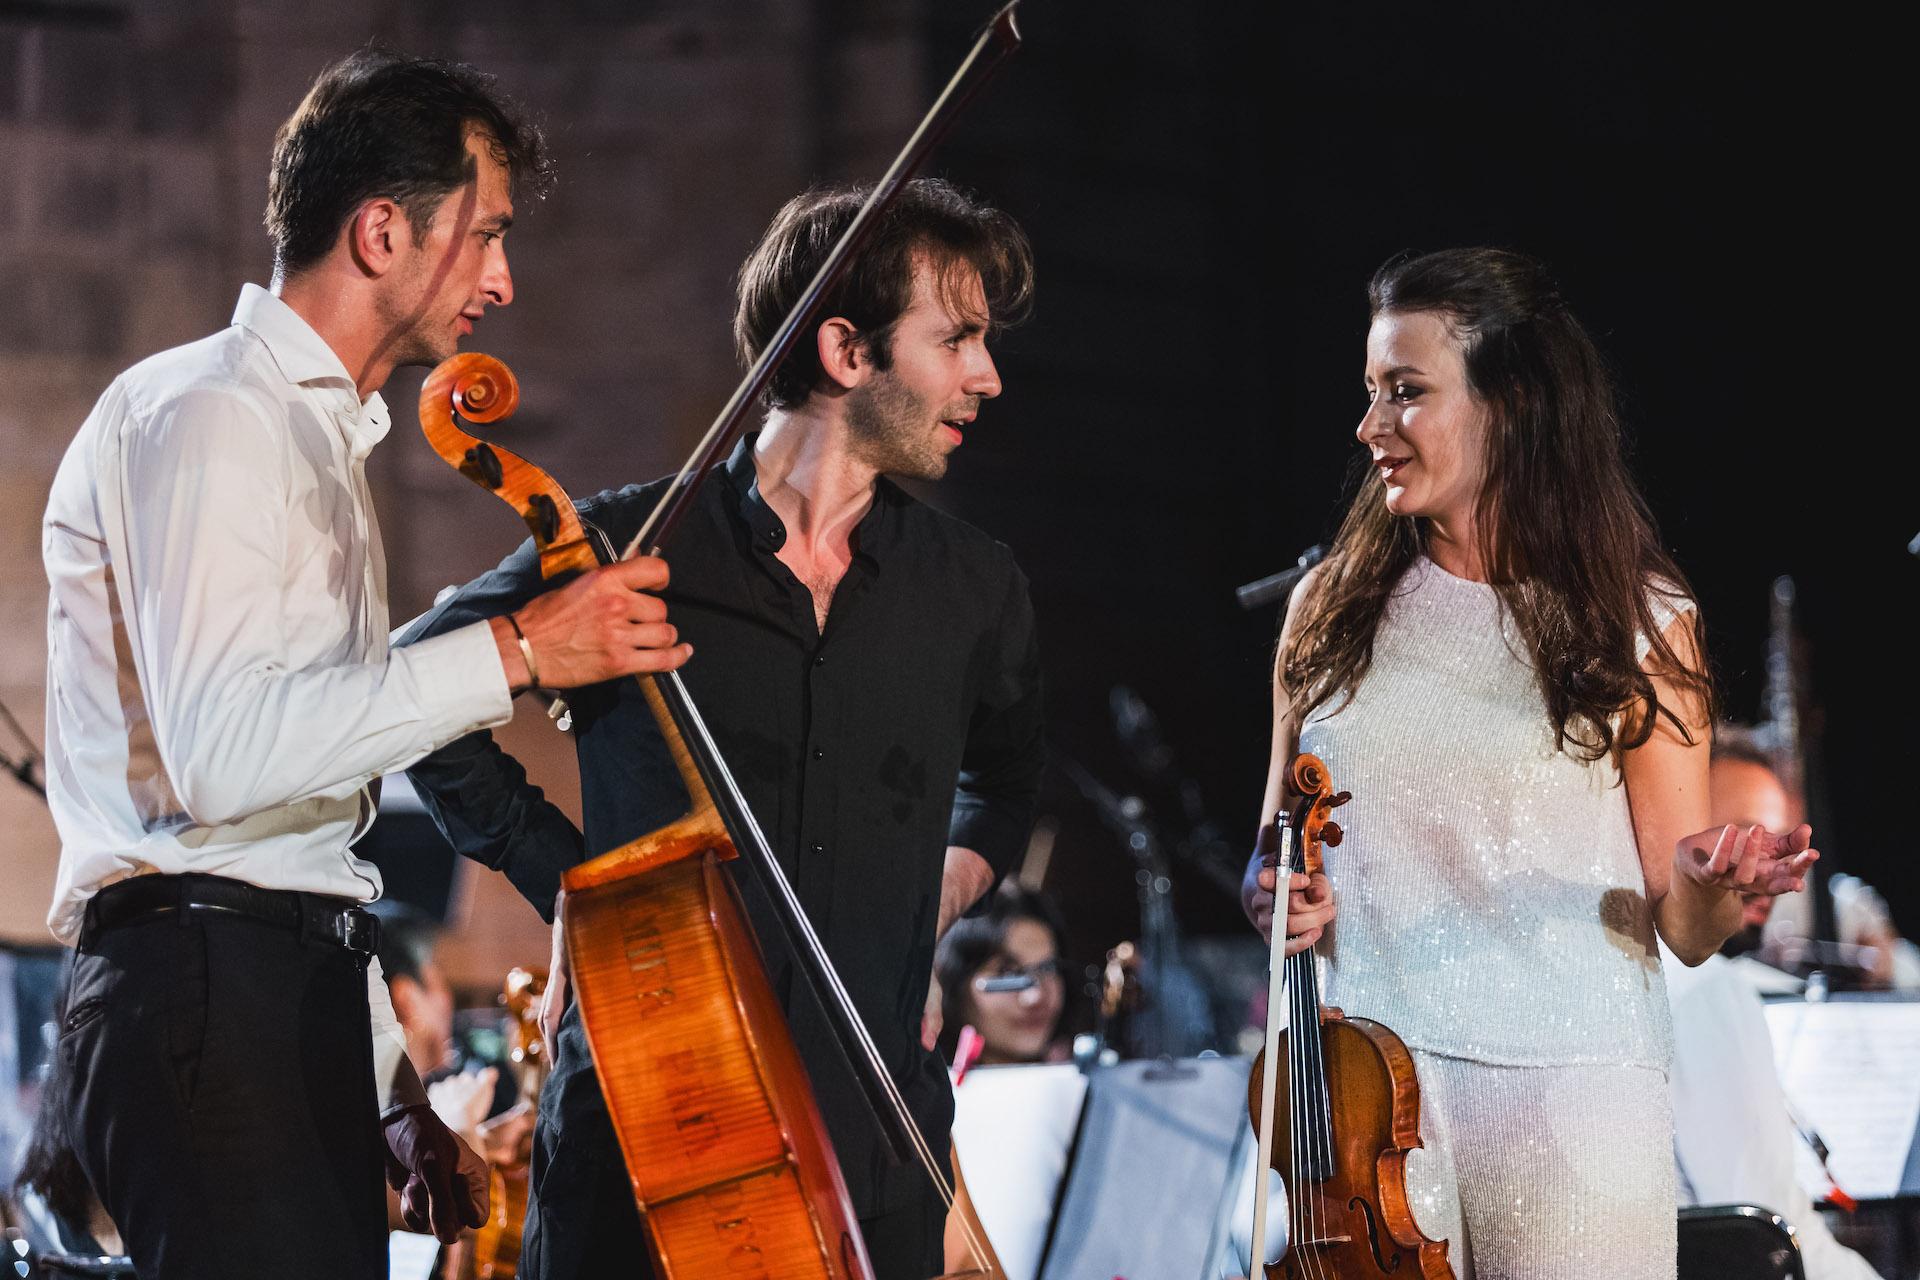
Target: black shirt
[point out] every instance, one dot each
(911, 723)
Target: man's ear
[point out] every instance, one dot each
(844, 356)
(377, 234)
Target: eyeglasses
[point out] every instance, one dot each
(1020, 979)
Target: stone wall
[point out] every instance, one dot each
(133, 149)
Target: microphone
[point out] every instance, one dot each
(1280, 585)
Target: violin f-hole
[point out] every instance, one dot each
(1373, 1235)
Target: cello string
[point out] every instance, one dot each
(778, 879)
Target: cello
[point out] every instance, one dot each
(731, 1168)
(1334, 1099)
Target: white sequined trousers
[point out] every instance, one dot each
(1545, 1173)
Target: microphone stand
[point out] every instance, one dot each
(1164, 974)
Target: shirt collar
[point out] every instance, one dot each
(770, 531)
(305, 359)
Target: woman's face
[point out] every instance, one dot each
(1018, 1026)
(1424, 427)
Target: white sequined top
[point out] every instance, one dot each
(1490, 899)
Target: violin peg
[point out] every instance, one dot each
(1340, 799)
(1331, 834)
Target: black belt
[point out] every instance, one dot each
(339, 921)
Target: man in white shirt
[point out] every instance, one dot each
(221, 700)
(1732, 1139)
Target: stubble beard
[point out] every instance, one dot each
(420, 339)
(892, 431)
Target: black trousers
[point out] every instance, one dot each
(581, 1221)
(222, 1099)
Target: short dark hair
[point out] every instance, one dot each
(930, 217)
(378, 123)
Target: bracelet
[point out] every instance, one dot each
(526, 651)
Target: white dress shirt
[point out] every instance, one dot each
(1731, 1134)
(219, 688)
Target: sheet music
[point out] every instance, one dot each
(1013, 1127)
(411, 1256)
(1851, 1070)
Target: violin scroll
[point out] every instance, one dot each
(1314, 785)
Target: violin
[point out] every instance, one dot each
(1334, 1099)
(731, 1167)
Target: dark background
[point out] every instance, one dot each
(1208, 193)
(1208, 187)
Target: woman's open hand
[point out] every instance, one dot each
(1748, 859)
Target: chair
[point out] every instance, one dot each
(1737, 1242)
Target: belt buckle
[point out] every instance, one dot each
(360, 930)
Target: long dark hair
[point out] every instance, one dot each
(1563, 532)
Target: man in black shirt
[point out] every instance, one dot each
(867, 667)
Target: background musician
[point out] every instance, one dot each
(1733, 1139)
(1503, 666)
(1000, 973)
(221, 698)
(866, 665)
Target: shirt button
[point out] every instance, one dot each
(819, 753)
(820, 661)
(819, 848)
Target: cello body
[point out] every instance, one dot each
(725, 1150)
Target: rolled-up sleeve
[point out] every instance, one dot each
(1005, 753)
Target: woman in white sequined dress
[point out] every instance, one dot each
(1503, 666)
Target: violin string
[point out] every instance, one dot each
(1277, 996)
(1296, 1211)
(1314, 1095)
(1301, 1018)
